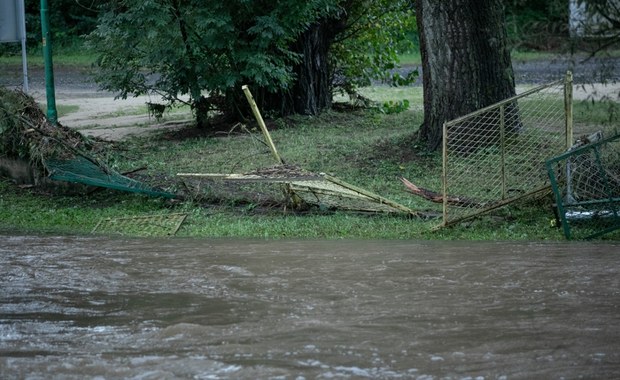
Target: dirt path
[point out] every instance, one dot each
(99, 114)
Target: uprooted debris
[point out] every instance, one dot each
(26, 134)
(55, 151)
(302, 187)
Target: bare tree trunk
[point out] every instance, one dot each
(465, 60)
(311, 92)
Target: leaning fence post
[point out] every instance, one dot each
(568, 108)
(444, 173)
(502, 137)
(261, 123)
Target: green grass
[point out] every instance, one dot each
(365, 148)
(414, 58)
(411, 58)
(587, 113)
(77, 57)
(73, 55)
(65, 109)
(33, 212)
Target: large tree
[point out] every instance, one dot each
(465, 60)
(204, 50)
(345, 50)
(282, 49)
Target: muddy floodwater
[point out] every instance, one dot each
(101, 308)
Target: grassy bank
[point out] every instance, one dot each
(373, 161)
(368, 148)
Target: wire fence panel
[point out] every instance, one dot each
(145, 225)
(497, 155)
(586, 185)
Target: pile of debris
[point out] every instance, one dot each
(28, 138)
(33, 150)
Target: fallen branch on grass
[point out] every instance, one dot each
(438, 198)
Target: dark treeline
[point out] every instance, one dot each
(532, 24)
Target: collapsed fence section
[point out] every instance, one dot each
(497, 154)
(586, 185)
(298, 189)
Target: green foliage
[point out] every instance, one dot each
(69, 20)
(369, 49)
(179, 48)
(391, 106)
(535, 24)
(184, 47)
(544, 25)
(605, 15)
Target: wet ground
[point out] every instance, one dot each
(95, 308)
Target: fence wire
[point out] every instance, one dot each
(586, 185)
(146, 225)
(497, 155)
(298, 189)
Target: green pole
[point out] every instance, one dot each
(52, 114)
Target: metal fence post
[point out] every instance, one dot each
(502, 141)
(568, 108)
(52, 114)
(444, 174)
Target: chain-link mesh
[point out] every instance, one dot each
(291, 185)
(496, 155)
(147, 225)
(92, 172)
(586, 184)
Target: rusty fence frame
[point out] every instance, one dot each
(502, 158)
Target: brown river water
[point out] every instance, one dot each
(115, 308)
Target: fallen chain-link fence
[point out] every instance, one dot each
(497, 154)
(145, 225)
(586, 185)
(291, 186)
(298, 188)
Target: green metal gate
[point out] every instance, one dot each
(586, 185)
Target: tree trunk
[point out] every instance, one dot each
(311, 92)
(465, 60)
